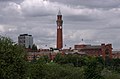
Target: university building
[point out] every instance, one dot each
(103, 50)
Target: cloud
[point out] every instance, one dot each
(5, 1)
(91, 3)
(38, 8)
(13, 8)
(2, 28)
(46, 8)
(95, 21)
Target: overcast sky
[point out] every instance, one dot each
(95, 21)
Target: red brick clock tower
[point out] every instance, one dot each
(59, 31)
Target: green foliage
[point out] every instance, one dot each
(12, 60)
(58, 58)
(29, 47)
(34, 47)
(43, 59)
(115, 65)
(55, 71)
(71, 67)
(93, 69)
(36, 71)
(107, 74)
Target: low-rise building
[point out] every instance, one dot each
(103, 50)
(115, 54)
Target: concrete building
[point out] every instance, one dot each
(25, 40)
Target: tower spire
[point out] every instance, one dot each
(59, 12)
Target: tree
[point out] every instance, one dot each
(34, 47)
(29, 47)
(37, 71)
(43, 59)
(12, 60)
(58, 71)
(92, 69)
(58, 58)
(115, 65)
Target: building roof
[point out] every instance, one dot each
(91, 47)
(115, 51)
(25, 35)
(94, 46)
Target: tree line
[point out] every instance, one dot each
(14, 65)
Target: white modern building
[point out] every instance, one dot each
(25, 40)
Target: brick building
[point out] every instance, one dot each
(102, 50)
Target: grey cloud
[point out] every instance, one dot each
(89, 22)
(81, 18)
(113, 27)
(91, 3)
(8, 0)
(16, 1)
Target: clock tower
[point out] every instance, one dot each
(59, 31)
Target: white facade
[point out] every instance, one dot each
(25, 40)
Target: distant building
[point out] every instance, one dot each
(102, 50)
(115, 54)
(25, 40)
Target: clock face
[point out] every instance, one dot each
(60, 27)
